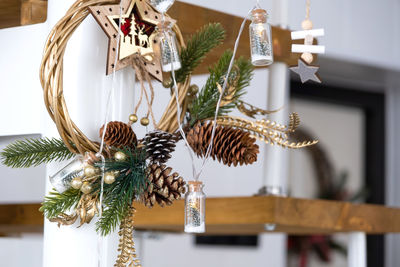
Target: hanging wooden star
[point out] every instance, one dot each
(137, 34)
(306, 72)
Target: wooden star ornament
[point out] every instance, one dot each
(306, 72)
(137, 34)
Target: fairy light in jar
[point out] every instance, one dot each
(260, 38)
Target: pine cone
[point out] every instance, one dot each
(230, 146)
(164, 187)
(159, 146)
(119, 134)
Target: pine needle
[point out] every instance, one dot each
(56, 203)
(33, 152)
(119, 195)
(202, 42)
(206, 102)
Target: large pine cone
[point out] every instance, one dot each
(230, 146)
(119, 134)
(159, 146)
(164, 187)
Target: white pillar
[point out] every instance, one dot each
(85, 91)
(357, 250)
(276, 158)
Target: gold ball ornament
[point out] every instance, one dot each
(109, 178)
(76, 183)
(193, 89)
(133, 118)
(90, 171)
(307, 24)
(167, 82)
(144, 121)
(307, 57)
(86, 188)
(119, 156)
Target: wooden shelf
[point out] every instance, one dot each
(250, 215)
(239, 215)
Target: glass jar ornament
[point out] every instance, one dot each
(162, 6)
(169, 52)
(195, 208)
(260, 39)
(61, 180)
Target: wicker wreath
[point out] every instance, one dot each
(51, 78)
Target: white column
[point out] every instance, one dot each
(85, 90)
(357, 250)
(276, 158)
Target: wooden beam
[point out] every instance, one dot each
(20, 218)
(189, 24)
(240, 215)
(33, 11)
(249, 215)
(22, 12)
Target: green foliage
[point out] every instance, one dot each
(56, 203)
(118, 196)
(206, 102)
(33, 152)
(202, 42)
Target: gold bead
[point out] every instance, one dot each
(119, 156)
(307, 24)
(193, 89)
(133, 118)
(109, 178)
(167, 82)
(76, 183)
(90, 171)
(144, 121)
(86, 188)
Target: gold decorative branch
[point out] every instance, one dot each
(127, 256)
(294, 121)
(267, 131)
(251, 111)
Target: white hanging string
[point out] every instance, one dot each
(178, 107)
(196, 175)
(209, 149)
(99, 154)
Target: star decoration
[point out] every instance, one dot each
(306, 72)
(137, 34)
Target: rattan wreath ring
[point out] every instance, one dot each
(51, 78)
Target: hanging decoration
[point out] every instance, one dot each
(195, 204)
(304, 69)
(260, 38)
(108, 179)
(306, 72)
(137, 31)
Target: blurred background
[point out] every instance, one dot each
(355, 113)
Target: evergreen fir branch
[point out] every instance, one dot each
(202, 42)
(206, 102)
(118, 196)
(33, 152)
(56, 203)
